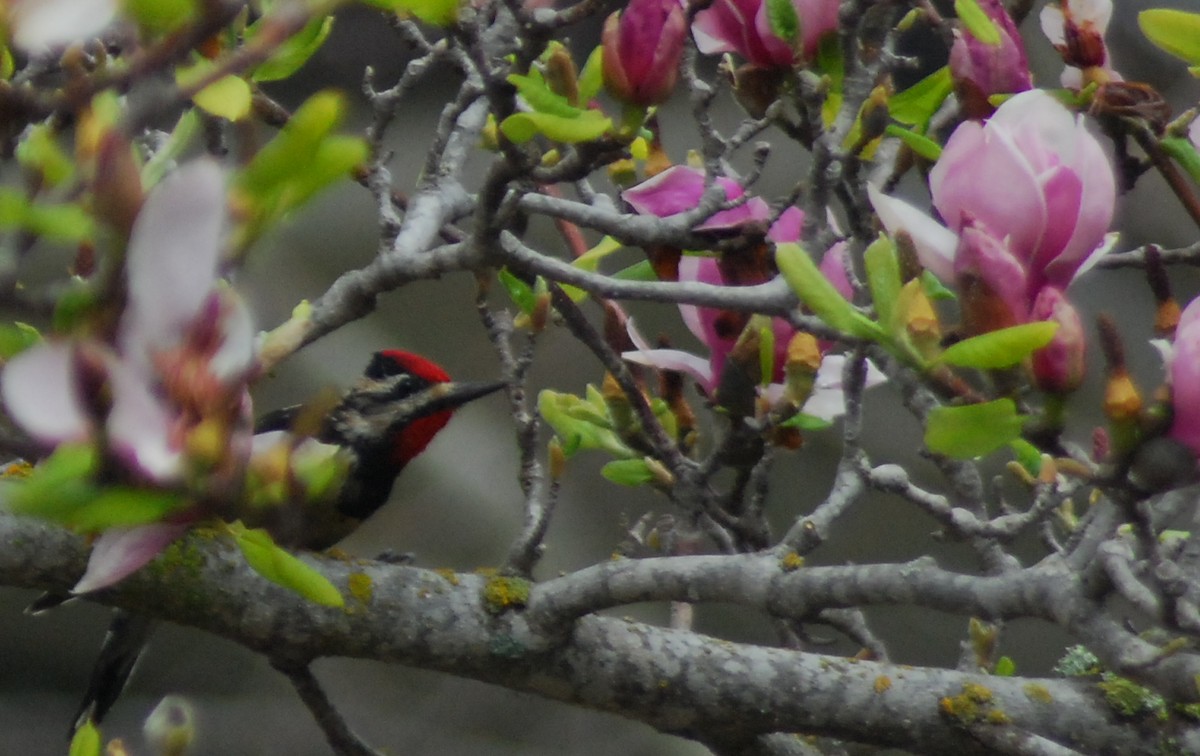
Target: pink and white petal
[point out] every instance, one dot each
(238, 352)
(833, 266)
(1110, 240)
(1052, 21)
(678, 360)
(787, 226)
(140, 426)
(1097, 12)
(120, 552)
(40, 394)
(44, 25)
(934, 242)
(173, 256)
(673, 191)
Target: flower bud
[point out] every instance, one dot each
(1058, 367)
(642, 48)
(980, 69)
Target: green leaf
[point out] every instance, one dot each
(977, 21)
(39, 151)
(57, 486)
(1182, 151)
(186, 129)
(16, 338)
(86, 741)
(123, 507)
(1000, 349)
(288, 153)
(783, 20)
(65, 223)
(437, 12)
(973, 430)
(935, 289)
(1005, 667)
(917, 104)
(639, 271)
(918, 143)
(535, 91)
(1028, 456)
(806, 422)
(519, 292)
(591, 78)
(581, 425)
(290, 56)
(628, 472)
(819, 295)
(228, 97)
(283, 568)
(161, 16)
(585, 127)
(1175, 31)
(883, 278)
(766, 352)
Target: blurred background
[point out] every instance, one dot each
(459, 505)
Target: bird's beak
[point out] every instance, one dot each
(450, 395)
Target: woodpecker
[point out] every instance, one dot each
(382, 423)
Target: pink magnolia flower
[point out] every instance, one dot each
(981, 70)
(42, 25)
(1028, 198)
(1059, 366)
(680, 188)
(741, 26)
(1184, 364)
(1076, 28)
(642, 48)
(182, 356)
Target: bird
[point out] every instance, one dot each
(381, 423)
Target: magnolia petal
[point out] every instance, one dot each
(934, 242)
(140, 426)
(238, 351)
(1052, 20)
(1185, 378)
(38, 387)
(43, 25)
(787, 226)
(173, 257)
(678, 360)
(119, 552)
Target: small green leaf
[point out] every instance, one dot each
(591, 78)
(783, 20)
(519, 292)
(918, 143)
(228, 97)
(1028, 456)
(161, 16)
(1174, 31)
(535, 91)
(935, 289)
(766, 352)
(639, 271)
(16, 338)
(585, 127)
(436, 12)
(86, 741)
(1182, 151)
(581, 424)
(288, 153)
(123, 507)
(283, 568)
(883, 278)
(917, 104)
(819, 295)
(973, 430)
(1000, 349)
(1005, 667)
(977, 21)
(628, 472)
(806, 422)
(65, 223)
(39, 151)
(290, 56)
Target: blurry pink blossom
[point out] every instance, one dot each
(1184, 363)
(741, 26)
(182, 355)
(680, 188)
(39, 26)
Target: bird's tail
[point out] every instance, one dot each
(127, 636)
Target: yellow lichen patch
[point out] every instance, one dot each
(447, 574)
(997, 717)
(971, 706)
(1039, 693)
(360, 586)
(18, 469)
(503, 593)
(883, 683)
(791, 562)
